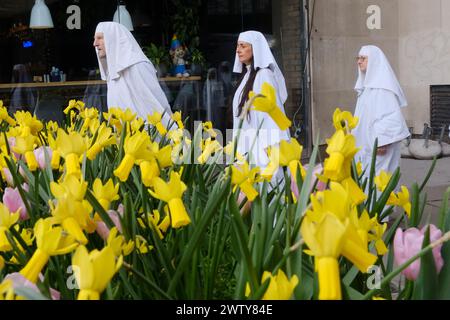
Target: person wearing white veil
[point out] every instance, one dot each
(256, 64)
(378, 108)
(131, 77)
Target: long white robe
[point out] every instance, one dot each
(269, 134)
(380, 117)
(137, 88)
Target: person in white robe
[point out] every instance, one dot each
(255, 62)
(378, 107)
(131, 77)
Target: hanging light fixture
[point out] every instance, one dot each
(40, 16)
(122, 15)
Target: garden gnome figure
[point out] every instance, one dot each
(177, 52)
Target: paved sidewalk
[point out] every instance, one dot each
(413, 170)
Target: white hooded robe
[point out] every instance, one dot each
(131, 77)
(380, 98)
(269, 134)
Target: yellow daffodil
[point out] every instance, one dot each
(160, 227)
(401, 199)
(155, 120)
(25, 145)
(378, 231)
(288, 154)
(141, 245)
(7, 289)
(280, 287)
(355, 192)
(341, 149)
(28, 123)
(74, 217)
(382, 180)
(105, 194)
(7, 219)
(268, 104)
(50, 241)
(56, 153)
(136, 148)
(344, 120)
(71, 146)
(137, 125)
(176, 116)
(74, 104)
(171, 192)
(93, 271)
(4, 116)
(103, 140)
(244, 178)
(326, 240)
(359, 168)
(71, 187)
(149, 171)
(208, 127)
(117, 242)
(209, 148)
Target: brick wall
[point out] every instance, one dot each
(291, 55)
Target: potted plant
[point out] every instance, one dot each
(197, 62)
(159, 57)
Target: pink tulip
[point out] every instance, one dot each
(409, 243)
(13, 201)
(12, 143)
(19, 281)
(103, 230)
(8, 176)
(39, 153)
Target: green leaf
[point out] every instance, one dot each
(427, 283)
(444, 276)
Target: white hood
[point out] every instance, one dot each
(262, 58)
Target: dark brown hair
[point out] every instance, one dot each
(248, 86)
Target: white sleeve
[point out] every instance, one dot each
(389, 125)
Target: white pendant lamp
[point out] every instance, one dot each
(40, 16)
(122, 16)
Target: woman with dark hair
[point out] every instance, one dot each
(257, 65)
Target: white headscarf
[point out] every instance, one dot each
(379, 74)
(122, 50)
(262, 58)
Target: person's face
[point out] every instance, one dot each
(99, 44)
(362, 62)
(245, 52)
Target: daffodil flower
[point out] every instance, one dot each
(4, 115)
(103, 140)
(28, 123)
(71, 187)
(149, 171)
(382, 180)
(141, 245)
(326, 240)
(344, 120)
(105, 193)
(50, 241)
(288, 154)
(7, 289)
(209, 148)
(25, 145)
(244, 178)
(71, 146)
(171, 192)
(155, 120)
(268, 104)
(93, 271)
(160, 226)
(117, 242)
(401, 199)
(74, 104)
(176, 116)
(341, 149)
(7, 219)
(136, 148)
(376, 235)
(280, 287)
(208, 127)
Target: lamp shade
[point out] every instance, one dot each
(40, 16)
(123, 17)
